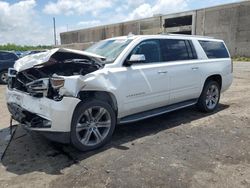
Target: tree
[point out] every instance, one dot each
(14, 47)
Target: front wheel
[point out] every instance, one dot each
(210, 97)
(92, 125)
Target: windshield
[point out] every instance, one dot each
(109, 48)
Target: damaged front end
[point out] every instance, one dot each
(42, 89)
(46, 78)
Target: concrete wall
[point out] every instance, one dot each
(80, 39)
(228, 22)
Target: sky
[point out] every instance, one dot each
(30, 22)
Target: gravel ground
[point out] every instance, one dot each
(182, 149)
(4, 113)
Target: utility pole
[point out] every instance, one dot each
(54, 23)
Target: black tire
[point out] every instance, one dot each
(202, 103)
(82, 119)
(3, 79)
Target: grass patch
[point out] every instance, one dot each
(239, 58)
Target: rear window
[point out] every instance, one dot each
(176, 50)
(214, 49)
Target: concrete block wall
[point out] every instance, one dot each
(242, 46)
(228, 22)
(144, 26)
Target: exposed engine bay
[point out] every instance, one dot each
(45, 79)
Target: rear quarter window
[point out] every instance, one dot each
(214, 49)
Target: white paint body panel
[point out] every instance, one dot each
(137, 88)
(58, 112)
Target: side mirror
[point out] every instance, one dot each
(136, 58)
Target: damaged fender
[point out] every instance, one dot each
(72, 85)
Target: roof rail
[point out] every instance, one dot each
(130, 34)
(201, 36)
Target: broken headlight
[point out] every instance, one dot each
(12, 72)
(57, 82)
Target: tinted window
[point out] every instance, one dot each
(151, 50)
(214, 49)
(7, 56)
(175, 50)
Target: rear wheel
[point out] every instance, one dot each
(4, 77)
(93, 124)
(210, 97)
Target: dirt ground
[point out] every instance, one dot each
(4, 114)
(182, 149)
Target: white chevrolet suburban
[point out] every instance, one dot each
(79, 97)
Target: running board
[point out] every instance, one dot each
(156, 112)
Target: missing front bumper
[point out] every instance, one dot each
(30, 120)
(24, 108)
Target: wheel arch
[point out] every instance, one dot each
(100, 95)
(214, 77)
(4, 70)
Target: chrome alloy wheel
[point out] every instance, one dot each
(93, 126)
(212, 97)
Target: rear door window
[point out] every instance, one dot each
(214, 49)
(177, 50)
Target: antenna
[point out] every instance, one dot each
(54, 23)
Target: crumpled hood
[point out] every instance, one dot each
(43, 57)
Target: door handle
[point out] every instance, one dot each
(195, 68)
(162, 72)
